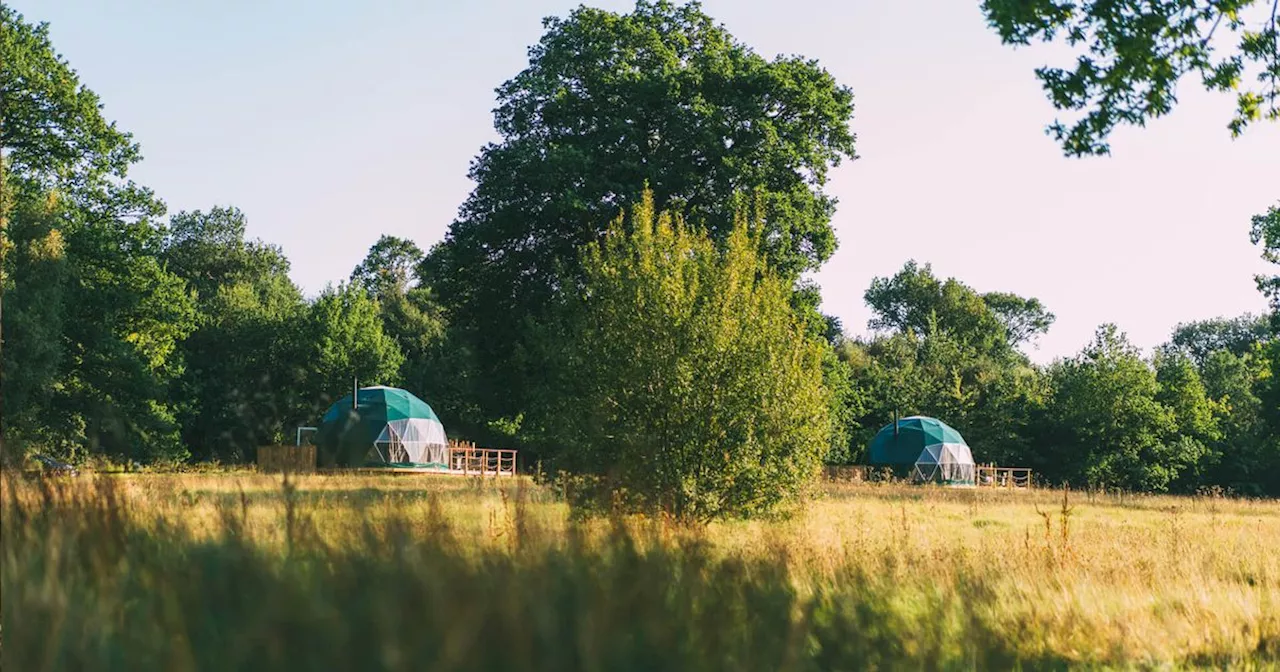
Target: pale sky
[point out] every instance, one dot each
(330, 124)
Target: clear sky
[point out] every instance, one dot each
(331, 123)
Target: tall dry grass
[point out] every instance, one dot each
(186, 572)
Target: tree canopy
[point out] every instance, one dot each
(624, 295)
(1107, 422)
(389, 268)
(239, 382)
(54, 136)
(914, 299)
(1201, 339)
(1266, 232)
(941, 348)
(609, 103)
(83, 276)
(1132, 54)
(681, 376)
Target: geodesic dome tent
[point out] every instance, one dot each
(386, 426)
(928, 449)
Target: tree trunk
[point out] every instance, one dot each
(4, 280)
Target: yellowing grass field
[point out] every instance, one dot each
(240, 571)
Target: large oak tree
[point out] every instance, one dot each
(92, 318)
(610, 103)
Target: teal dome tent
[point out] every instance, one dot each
(929, 448)
(386, 426)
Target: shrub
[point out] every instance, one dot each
(682, 379)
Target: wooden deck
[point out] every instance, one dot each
(465, 459)
(1013, 478)
(409, 471)
(468, 460)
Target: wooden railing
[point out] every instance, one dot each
(846, 473)
(468, 459)
(991, 476)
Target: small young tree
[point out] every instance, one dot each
(681, 379)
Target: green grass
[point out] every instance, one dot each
(236, 571)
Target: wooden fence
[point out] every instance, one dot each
(991, 476)
(860, 473)
(466, 458)
(846, 473)
(293, 459)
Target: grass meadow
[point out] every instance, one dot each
(241, 571)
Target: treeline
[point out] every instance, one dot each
(621, 298)
(1203, 410)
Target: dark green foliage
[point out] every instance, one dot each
(1023, 319)
(34, 317)
(848, 408)
(53, 136)
(416, 322)
(210, 252)
(680, 378)
(1266, 232)
(1133, 53)
(610, 103)
(1198, 425)
(243, 377)
(1193, 416)
(952, 353)
(389, 267)
(1200, 340)
(1247, 453)
(126, 338)
(125, 322)
(93, 329)
(345, 341)
(1106, 424)
(437, 364)
(915, 300)
(107, 313)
